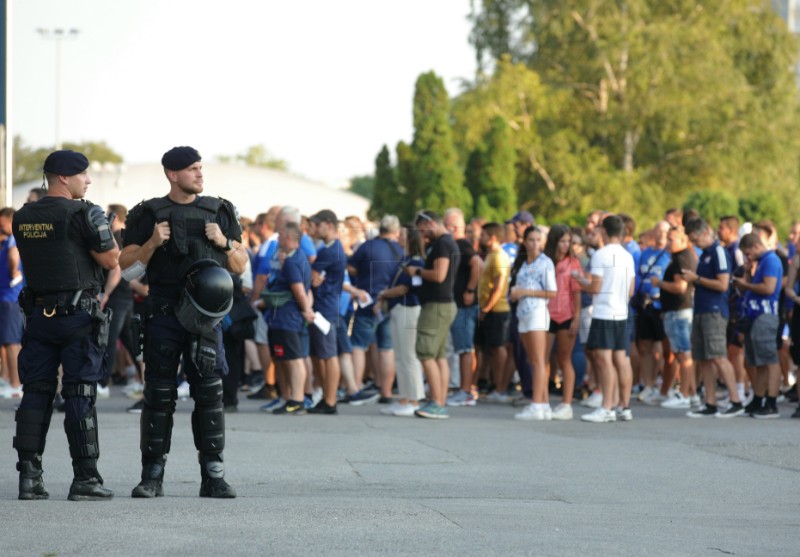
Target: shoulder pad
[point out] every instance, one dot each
(231, 208)
(157, 203)
(233, 214)
(209, 203)
(99, 226)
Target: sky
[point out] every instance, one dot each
(322, 84)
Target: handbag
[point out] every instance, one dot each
(640, 302)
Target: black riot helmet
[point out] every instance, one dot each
(206, 298)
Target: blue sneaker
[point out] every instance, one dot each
(308, 402)
(364, 397)
(273, 405)
(433, 411)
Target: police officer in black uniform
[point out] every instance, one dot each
(184, 239)
(64, 243)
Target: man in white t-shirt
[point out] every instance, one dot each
(612, 285)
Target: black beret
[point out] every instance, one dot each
(65, 163)
(179, 158)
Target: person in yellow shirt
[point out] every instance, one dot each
(495, 312)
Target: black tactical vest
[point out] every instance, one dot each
(187, 242)
(52, 261)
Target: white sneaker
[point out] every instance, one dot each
(529, 413)
(600, 416)
(184, 390)
(657, 398)
(677, 402)
(389, 410)
(624, 414)
(695, 402)
(645, 393)
(499, 398)
(562, 412)
(12, 392)
(316, 395)
(405, 410)
(133, 387)
(103, 392)
(595, 400)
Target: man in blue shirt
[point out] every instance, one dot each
(10, 315)
(372, 268)
(327, 277)
(710, 321)
(649, 326)
(761, 298)
(287, 318)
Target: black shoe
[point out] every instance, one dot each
(213, 484)
(152, 484)
(31, 486)
(147, 489)
(754, 406)
(323, 407)
(266, 392)
(796, 413)
(734, 410)
(291, 407)
(766, 412)
(385, 400)
(136, 408)
(87, 484)
(707, 411)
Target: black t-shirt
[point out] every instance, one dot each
(122, 294)
(443, 246)
(466, 253)
(139, 228)
(685, 259)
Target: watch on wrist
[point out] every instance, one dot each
(228, 245)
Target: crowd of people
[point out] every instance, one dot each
(439, 312)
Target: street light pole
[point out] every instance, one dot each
(58, 35)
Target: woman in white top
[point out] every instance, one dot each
(535, 285)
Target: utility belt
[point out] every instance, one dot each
(61, 304)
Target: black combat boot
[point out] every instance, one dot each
(31, 486)
(152, 484)
(213, 483)
(87, 484)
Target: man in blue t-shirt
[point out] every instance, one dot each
(372, 268)
(710, 320)
(649, 325)
(287, 316)
(327, 277)
(761, 299)
(11, 324)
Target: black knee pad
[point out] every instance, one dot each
(82, 436)
(208, 418)
(156, 421)
(32, 426)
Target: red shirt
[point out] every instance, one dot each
(562, 306)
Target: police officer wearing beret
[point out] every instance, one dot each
(183, 238)
(64, 243)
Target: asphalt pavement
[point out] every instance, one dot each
(480, 483)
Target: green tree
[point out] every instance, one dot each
(472, 176)
(256, 155)
(438, 178)
(660, 97)
(28, 160)
(760, 205)
(405, 202)
(496, 198)
(712, 204)
(362, 185)
(385, 187)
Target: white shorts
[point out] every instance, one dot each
(261, 330)
(534, 321)
(585, 324)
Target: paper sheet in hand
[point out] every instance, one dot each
(368, 302)
(134, 271)
(322, 324)
(416, 280)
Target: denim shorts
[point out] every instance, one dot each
(463, 329)
(367, 328)
(678, 327)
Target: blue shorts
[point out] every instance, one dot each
(305, 342)
(343, 345)
(11, 323)
(323, 346)
(368, 329)
(678, 327)
(463, 329)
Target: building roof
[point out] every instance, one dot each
(253, 190)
